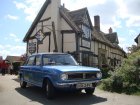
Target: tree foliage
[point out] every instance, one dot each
(133, 48)
(125, 78)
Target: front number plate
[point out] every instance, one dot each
(84, 85)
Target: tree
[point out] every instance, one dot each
(133, 48)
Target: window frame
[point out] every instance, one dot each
(86, 31)
(35, 61)
(29, 60)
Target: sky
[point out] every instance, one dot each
(16, 16)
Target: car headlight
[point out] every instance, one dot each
(64, 76)
(99, 75)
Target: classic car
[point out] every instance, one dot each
(53, 71)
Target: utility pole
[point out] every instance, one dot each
(54, 37)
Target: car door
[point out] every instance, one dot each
(37, 70)
(28, 74)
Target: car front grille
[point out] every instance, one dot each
(75, 76)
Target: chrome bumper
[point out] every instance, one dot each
(74, 83)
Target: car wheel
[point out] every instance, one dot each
(50, 90)
(89, 91)
(22, 82)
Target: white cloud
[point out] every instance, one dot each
(12, 50)
(12, 17)
(129, 10)
(133, 21)
(74, 4)
(132, 33)
(20, 5)
(123, 43)
(30, 7)
(13, 37)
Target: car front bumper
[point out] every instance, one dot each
(72, 85)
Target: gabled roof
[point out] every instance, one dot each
(136, 39)
(68, 19)
(78, 16)
(71, 17)
(74, 17)
(100, 36)
(112, 37)
(38, 17)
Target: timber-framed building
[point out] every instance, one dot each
(58, 29)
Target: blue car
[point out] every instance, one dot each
(53, 71)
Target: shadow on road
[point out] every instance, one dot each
(63, 98)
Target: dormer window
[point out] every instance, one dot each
(86, 31)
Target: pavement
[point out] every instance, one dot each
(12, 94)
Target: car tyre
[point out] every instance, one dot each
(77, 91)
(23, 84)
(89, 91)
(50, 90)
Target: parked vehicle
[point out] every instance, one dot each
(53, 71)
(4, 67)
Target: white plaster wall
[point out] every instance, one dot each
(45, 46)
(65, 25)
(55, 17)
(96, 47)
(69, 43)
(47, 12)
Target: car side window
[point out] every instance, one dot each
(38, 60)
(45, 60)
(31, 61)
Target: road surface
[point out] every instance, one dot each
(12, 94)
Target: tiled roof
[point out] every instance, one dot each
(64, 13)
(112, 37)
(75, 17)
(13, 58)
(78, 15)
(100, 36)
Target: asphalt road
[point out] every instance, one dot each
(12, 94)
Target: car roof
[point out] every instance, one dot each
(49, 53)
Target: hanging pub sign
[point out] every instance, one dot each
(40, 36)
(32, 47)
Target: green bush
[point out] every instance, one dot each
(125, 78)
(106, 84)
(117, 83)
(105, 72)
(129, 88)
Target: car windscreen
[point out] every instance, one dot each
(58, 59)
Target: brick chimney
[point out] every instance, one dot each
(63, 5)
(110, 30)
(97, 22)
